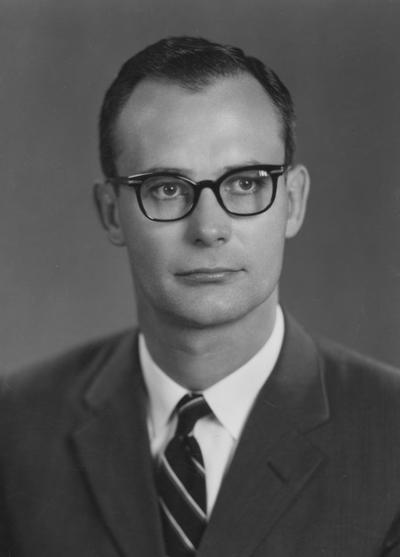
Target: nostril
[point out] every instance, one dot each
(210, 240)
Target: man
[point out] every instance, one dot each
(221, 428)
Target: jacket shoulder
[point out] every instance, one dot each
(358, 379)
(347, 360)
(64, 375)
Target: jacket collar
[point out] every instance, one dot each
(296, 387)
(113, 449)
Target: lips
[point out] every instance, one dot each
(208, 270)
(209, 274)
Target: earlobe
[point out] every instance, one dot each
(106, 203)
(298, 187)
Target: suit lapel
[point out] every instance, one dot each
(113, 449)
(274, 460)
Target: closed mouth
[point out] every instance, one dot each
(209, 275)
(208, 271)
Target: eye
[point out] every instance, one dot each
(165, 189)
(245, 184)
(242, 185)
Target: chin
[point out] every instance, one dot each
(215, 313)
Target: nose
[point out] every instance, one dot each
(209, 225)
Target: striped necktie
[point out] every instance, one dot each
(181, 482)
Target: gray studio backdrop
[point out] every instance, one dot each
(61, 283)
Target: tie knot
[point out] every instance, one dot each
(189, 409)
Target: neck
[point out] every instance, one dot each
(196, 358)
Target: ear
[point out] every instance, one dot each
(106, 201)
(297, 187)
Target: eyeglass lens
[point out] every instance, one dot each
(245, 193)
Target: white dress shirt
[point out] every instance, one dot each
(230, 400)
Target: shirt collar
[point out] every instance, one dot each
(163, 392)
(230, 399)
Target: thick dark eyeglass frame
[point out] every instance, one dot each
(136, 180)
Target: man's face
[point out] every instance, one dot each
(209, 268)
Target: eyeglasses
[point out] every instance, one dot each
(243, 191)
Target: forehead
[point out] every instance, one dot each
(230, 118)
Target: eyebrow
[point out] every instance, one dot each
(172, 169)
(188, 172)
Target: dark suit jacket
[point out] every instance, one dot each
(316, 472)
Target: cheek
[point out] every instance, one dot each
(145, 254)
(151, 247)
(267, 237)
(266, 247)
(268, 256)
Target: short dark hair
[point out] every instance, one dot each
(193, 63)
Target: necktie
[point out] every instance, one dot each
(181, 482)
